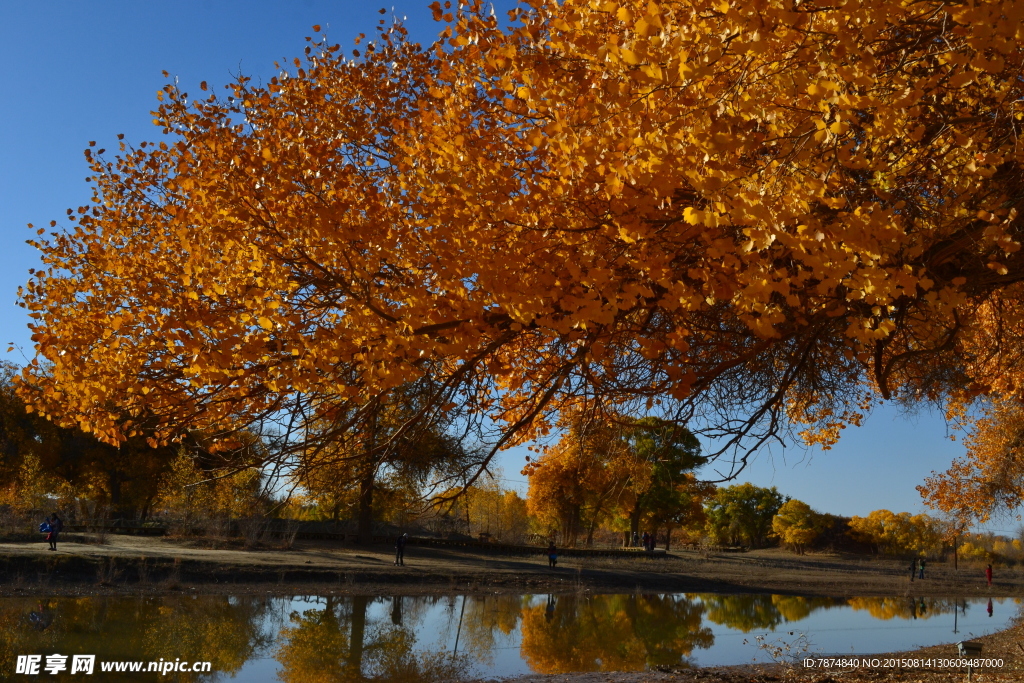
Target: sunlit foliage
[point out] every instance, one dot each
(899, 533)
(758, 214)
(797, 525)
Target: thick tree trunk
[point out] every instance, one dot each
(634, 520)
(365, 521)
(590, 532)
(364, 529)
(146, 507)
(571, 527)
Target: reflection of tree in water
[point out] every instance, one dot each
(748, 612)
(612, 633)
(224, 631)
(338, 644)
(903, 608)
(485, 618)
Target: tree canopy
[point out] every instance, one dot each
(743, 513)
(748, 216)
(797, 525)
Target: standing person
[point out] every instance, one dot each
(988, 575)
(552, 554)
(913, 569)
(400, 550)
(921, 575)
(56, 526)
(646, 541)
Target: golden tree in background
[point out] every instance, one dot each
(797, 525)
(899, 533)
(747, 216)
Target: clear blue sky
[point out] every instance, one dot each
(80, 71)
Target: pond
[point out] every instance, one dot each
(447, 638)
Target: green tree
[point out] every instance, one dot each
(669, 496)
(742, 514)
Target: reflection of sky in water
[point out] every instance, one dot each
(834, 629)
(510, 635)
(844, 630)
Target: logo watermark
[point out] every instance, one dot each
(34, 665)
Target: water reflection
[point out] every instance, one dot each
(746, 613)
(611, 632)
(904, 608)
(338, 643)
(222, 630)
(338, 639)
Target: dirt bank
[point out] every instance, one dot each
(134, 564)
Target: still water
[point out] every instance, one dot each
(447, 638)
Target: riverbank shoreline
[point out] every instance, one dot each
(135, 564)
(143, 566)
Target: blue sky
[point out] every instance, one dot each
(80, 71)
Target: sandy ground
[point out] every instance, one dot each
(144, 563)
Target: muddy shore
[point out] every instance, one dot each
(136, 564)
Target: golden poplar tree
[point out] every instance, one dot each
(767, 213)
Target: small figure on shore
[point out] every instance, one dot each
(51, 526)
(913, 569)
(921, 575)
(552, 554)
(988, 575)
(400, 550)
(647, 541)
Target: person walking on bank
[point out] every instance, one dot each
(921, 575)
(552, 554)
(988, 575)
(913, 569)
(56, 526)
(400, 550)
